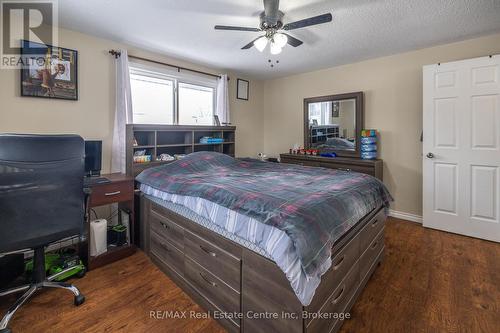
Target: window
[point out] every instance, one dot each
(320, 112)
(196, 104)
(152, 99)
(161, 97)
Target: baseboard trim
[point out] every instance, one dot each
(405, 216)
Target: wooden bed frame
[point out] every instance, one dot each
(247, 292)
(243, 290)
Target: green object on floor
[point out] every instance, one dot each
(57, 262)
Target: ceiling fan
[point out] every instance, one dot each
(272, 25)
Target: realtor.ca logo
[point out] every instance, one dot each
(22, 21)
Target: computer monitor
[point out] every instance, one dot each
(93, 158)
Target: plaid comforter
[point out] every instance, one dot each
(313, 206)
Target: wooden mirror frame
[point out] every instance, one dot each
(360, 112)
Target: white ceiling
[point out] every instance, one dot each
(361, 29)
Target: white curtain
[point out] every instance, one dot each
(223, 100)
(123, 112)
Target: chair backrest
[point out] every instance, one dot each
(41, 189)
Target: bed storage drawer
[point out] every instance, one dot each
(342, 262)
(216, 260)
(371, 229)
(336, 303)
(371, 254)
(167, 253)
(212, 288)
(167, 229)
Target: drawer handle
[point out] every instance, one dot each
(164, 246)
(374, 245)
(213, 254)
(374, 223)
(339, 296)
(110, 194)
(213, 284)
(339, 263)
(164, 225)
(344, 169)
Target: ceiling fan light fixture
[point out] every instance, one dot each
(260, 44)
(275, 48)
(280, 39)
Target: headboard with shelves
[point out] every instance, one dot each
(174, 139)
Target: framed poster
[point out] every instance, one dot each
(50, 74)
(216, 120)
(335, 109)
(242, 89)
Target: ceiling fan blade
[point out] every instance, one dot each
(308, 22)
(293, 41)
(249, 45)
(271, 10)
(227, 27)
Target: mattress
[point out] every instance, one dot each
(293, 214)
(313, 206)
(263, 239)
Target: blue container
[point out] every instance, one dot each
(369, 140)
(369, 155)
(368, 147)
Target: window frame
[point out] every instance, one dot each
(177, 77)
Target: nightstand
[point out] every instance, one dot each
(119, 190)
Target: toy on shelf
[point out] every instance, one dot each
(211, 140)
(301, 151)
(141, 156)
(331, 154)
(165, 158)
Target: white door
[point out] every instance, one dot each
(461, 147)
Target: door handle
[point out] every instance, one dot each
(430, 155)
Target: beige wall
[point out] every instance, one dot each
(248, 116)
(393, 93)
(271, 121)
(92, 115)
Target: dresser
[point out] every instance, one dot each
(370, 167)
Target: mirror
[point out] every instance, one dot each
(333, 123)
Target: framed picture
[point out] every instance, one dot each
(335, 109)
(53, 73)
(242, 89)
(216, 120)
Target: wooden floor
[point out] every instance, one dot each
(430, 281)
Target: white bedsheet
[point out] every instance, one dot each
(246, 231)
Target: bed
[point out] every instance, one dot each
(263, 246)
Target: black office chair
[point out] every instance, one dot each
(41, 201)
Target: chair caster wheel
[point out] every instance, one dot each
(79, 300)
(81, 273)
(5, 330)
